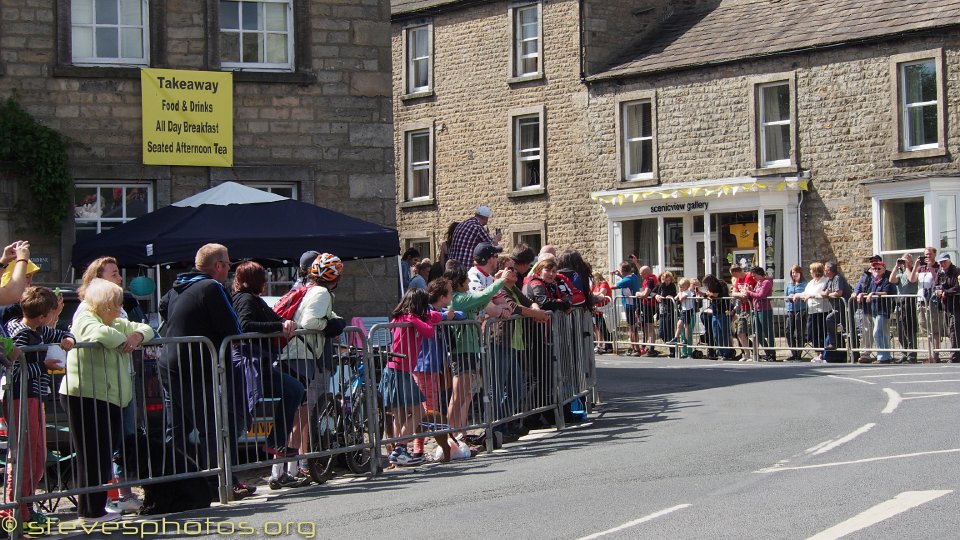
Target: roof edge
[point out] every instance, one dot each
(626, 73)
(435, 9)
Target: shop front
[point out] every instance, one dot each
(698, 228)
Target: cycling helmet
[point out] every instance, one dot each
(326, 267)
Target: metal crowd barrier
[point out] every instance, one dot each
(308, 394)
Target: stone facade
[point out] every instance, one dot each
(470, 111)
(845, 123)
(324, 128)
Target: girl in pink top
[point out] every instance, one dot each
(398, 388)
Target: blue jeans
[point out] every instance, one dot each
(290, 391)
(881, 337)
(721, 334)
(763, 320)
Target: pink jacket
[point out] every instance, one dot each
(760, 294)
(406, 340)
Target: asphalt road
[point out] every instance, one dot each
(679, 449)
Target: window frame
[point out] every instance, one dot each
(515, 56)
(516, 161)
(406, 147)
(291, 34)
(757, 84)
(764, 124)
(105, 183)
(410, 92)
(900, 148)
(622, 101)
(419, 240)
(274, 186)
(519, 230)
(930, 190)
(145, 29)
(156, 37)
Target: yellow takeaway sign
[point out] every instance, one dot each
(187, 117)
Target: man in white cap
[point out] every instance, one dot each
(470, 233)
(947, 289)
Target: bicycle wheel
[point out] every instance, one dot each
(356, 432)
(323, 437)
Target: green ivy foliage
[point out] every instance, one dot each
(39, 154)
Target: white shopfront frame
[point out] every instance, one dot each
(930, 189)
(739, 198)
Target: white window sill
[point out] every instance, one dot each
(526, 192)
(418, 203)
(525, 78)
(774, 170)
(920, 153)
(417, 95)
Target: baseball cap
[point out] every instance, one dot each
(485, 250)
(32, 268)
(307, 259)
(943, 257)
(484, 210)
(875, 258)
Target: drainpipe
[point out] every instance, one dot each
(582, 32)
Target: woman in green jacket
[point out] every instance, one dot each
(97, 385)
(465, 362)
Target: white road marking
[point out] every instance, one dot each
(898, 375)
(924, 395)
(850, 379)
(920, 382)
(636, 522)
(856, 462)
(843, 440)
(845, 370)
(885, 510)
(893, 401)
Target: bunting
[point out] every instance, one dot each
(722, 190)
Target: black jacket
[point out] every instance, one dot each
(949, 282)
(197, 305)
(255, 315)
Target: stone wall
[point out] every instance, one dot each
(327, 128)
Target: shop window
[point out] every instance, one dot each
(100, 207)
(109, 32)
(737, 241)
(256, 35)
(948, 224)
(902, 225)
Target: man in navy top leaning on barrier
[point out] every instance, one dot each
(197, 305)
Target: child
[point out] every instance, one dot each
(630, 283)
(397, 387)
(687, 298)
(41, 307)
(432, 370)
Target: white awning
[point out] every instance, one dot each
(229, 193)
(725, 187)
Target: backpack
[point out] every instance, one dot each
(287, 305)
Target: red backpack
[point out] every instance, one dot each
(286, 308)
(287, 305)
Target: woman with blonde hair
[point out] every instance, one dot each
(817, 307)
(96, 387)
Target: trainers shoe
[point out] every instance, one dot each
(42, 519)
(287, 481)
(109, 515)
(406, 460)
(126, 505)
(392, 458)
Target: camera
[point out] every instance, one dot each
(922, 259)
(901, 261)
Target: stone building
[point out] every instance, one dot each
(312, 114)
(692, 133)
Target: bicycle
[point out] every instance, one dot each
(339, 420)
